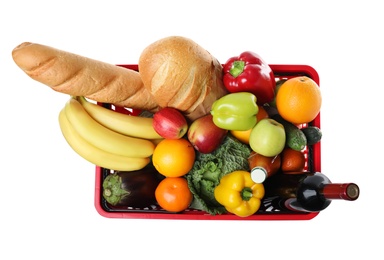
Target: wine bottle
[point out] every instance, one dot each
(262, 166)
(306, 191)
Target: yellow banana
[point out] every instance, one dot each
(135, 126)
(95, 155)
(102, 137)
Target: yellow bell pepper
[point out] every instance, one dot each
(239, 194)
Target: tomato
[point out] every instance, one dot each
(173, 194)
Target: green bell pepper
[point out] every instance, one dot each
(235, 111)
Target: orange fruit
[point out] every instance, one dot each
(292, 161)
(243, 136)
(173, 194)
(299, 100)
(173, 157)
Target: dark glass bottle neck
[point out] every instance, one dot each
(343, 191)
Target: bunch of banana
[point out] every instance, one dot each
(105, 137)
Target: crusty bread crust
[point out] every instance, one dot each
(181, 74)
(173, 72)
(76, 75)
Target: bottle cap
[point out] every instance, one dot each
(353, 191)
(258, 174)
(345, 191)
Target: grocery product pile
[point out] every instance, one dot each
(182, 130)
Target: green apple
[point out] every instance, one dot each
(267, 137)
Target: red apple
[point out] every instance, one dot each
(170, 123)
(204, 135)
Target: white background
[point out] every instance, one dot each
(47, 191)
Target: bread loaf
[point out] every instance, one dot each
(76, 75)
(181, 74)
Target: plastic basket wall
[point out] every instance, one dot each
(267, 210)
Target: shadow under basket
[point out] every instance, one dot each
(267, 210)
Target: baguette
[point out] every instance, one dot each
(181, 74)
(77, 75)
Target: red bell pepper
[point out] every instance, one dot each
(250, 73)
